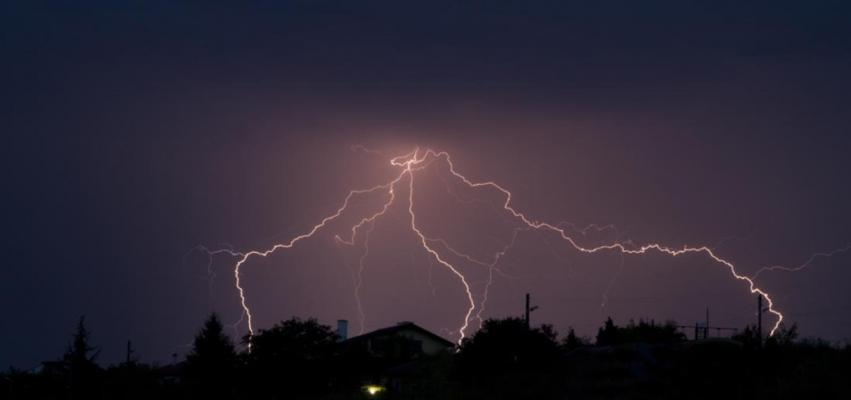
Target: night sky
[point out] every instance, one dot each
(135, 132)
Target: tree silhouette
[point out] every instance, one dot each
(507, 345)
(211, 365)
(784, 336)
(642, 332)
(748, 337)
(80, 353)
(80, 362)
(506, 359)
(571, 341)
(607, 335)
(293, 358)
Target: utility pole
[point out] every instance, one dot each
(706, 334)
(529, 309)
(129, 352)
(759, 317)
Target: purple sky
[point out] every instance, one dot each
(135, 133)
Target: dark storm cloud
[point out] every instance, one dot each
(136, 131)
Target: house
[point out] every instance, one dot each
(405, 340)
(403, 360)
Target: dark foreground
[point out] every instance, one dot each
(301, 359)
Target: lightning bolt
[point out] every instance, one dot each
(807, 263)
(357, 148)
(590, 228)
(244, 257)
(358, 276)
(211, 273)
(619, 247)
(490, 265)
(438, 249)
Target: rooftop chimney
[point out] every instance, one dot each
(343, 329)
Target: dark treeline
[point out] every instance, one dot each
(505, 359)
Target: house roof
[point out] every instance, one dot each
(402, 326)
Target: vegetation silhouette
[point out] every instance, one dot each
(571, 341)
(292, 359)
(505, 359)
(79, 360)
(211, 366)
(506, 346)
(643, 332)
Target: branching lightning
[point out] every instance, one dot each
(442, 252)
(358, 275)
(807, 263)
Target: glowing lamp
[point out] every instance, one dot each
(374, 390)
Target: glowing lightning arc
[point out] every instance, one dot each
(419, 160)
(804, 265)
(614, 246)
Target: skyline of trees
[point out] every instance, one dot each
(304, 359)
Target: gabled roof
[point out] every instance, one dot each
(402, 326)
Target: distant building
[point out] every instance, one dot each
(404, 340)
(401, 359)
